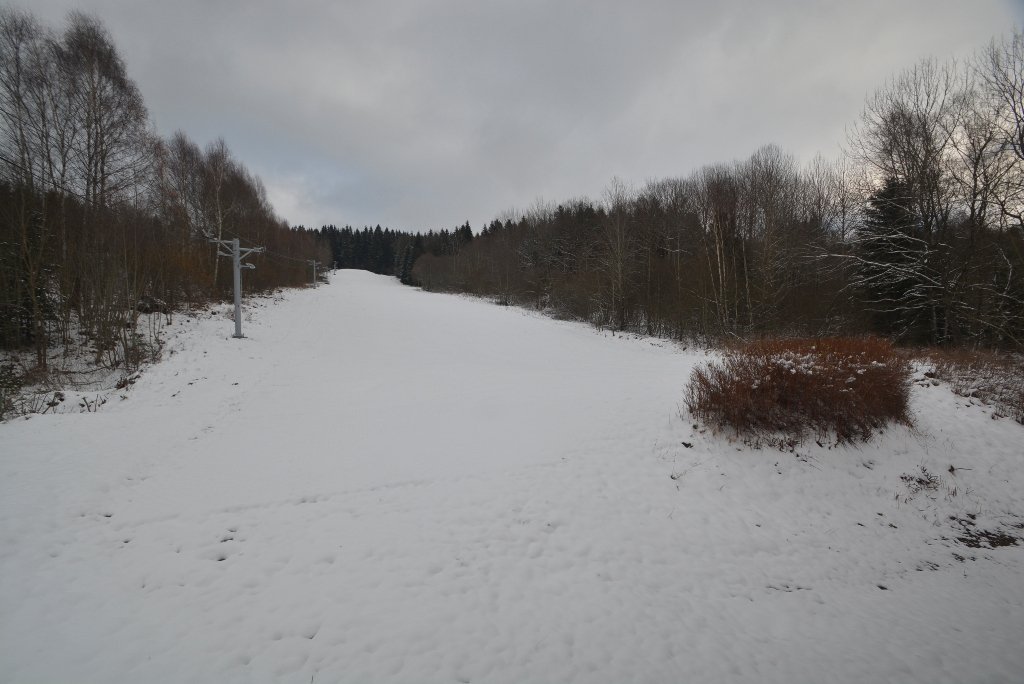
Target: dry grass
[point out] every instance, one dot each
(993, 378)
(838, 388)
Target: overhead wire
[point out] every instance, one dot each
(265, 252)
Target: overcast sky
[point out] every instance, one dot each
(422, 114)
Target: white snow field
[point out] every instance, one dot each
(384, 485)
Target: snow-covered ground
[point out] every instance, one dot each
(384, 485)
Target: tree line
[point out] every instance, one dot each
(100, 218)
(915, 232)
(390, 252)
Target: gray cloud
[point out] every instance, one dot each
(420, 114)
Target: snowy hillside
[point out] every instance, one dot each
(385, 485)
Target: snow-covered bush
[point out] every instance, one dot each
(991, 377)
(838, 388)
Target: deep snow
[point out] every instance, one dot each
(381, 484)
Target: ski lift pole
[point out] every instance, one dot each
(236, 254)
(314, 263)
(236, 260)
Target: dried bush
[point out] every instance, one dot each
(839, 388)
(994, 378)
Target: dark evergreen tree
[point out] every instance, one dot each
(408, 257)
(892, 263)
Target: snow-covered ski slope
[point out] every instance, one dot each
(385, 485)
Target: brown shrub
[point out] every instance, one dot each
(840, 388)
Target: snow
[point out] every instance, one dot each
(381, 484)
